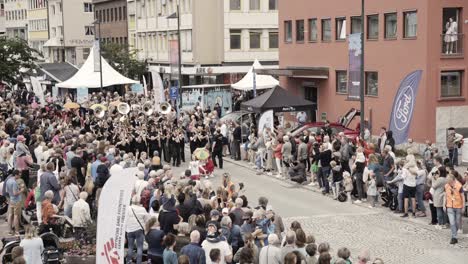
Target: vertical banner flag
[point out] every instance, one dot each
(354, 72)
(158, 89)
(111, 222)
(403, 107)
(38, 91)
(81, 95)
(266, 121)
(96, 57)
(137, 88)
(254, 82)
(145, 86)
(174, 57)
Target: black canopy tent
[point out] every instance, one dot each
(278, 100)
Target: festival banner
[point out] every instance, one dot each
(137, 88)
(223, 97)
(403, 107)
(158, 89)
(81, 95)
(266, 121)
(112, 218)
(354, 72)
(38, 91)
(190, 98)
(174, 57)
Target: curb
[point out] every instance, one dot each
(377, 210)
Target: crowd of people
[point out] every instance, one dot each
(57, 160)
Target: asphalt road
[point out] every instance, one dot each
(396, 240)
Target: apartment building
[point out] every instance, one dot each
(71, 30)
(112, 15)
(2, 18)
(16, 19)
(38, 30)
(400, 37)
(219, 38)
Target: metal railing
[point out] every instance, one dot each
(452, 44)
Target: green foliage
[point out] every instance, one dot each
(124, 60)
(14, 55)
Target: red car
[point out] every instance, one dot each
(341, 126)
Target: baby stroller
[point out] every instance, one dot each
(52, 252)
(342, 196)
(389, 196)
(8, 245)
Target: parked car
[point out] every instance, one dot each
(341, 126)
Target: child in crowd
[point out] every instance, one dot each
(311, 250)
(348, 184)
(372, 190)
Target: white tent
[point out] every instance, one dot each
(262, 81)
(87, 77)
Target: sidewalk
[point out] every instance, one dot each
(423, 221)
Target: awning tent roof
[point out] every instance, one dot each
(59, 72)
(278, 100)
(262, 81)
(87, 77)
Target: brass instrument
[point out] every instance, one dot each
(123, 108)
(165, 108)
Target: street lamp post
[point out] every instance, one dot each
(98, 23)
(363, 75)
(179, 50)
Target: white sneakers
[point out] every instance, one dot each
(358, 202)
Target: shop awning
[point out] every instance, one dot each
(298, 72)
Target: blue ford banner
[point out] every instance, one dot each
(403, 107)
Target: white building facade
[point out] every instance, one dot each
(71, 30)
(219, 38)
(16, 19)
(2, 17)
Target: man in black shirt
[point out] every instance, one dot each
(78, 163)
(237, 140)
(218, 148)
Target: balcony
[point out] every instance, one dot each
(452, 45)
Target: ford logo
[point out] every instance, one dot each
(403, 108)
(289, 108)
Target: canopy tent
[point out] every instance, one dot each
(87, 77)
(278, 100)
(262, 81)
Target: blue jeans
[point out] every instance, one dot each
(440, 215)
(453, 155)
(139, 237)
(454, 216)
(400, 202)
(323, 178)
(420, 197)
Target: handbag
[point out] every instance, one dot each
(314, 168)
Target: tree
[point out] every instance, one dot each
(15, 55)
(124, 60)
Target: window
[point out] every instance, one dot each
(373, 27)
(120, 13)
(372, 83)
(272, 4)
(88, 7)
(391, 26)
(341, 82)
(300, 30)
(125, 12)
(254, 4)
(235, 35)
(326, 30)
(340, 28)
(235, 5)
(53, 32)
(255, 39)
(288, 31)
(111, 15)
(410, 24)
(273, 40)
(107, 16)
(313, 31)
(356, 25)
(450, 82)
(85, 53)
(89, 30)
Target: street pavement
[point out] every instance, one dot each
(395, 240)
